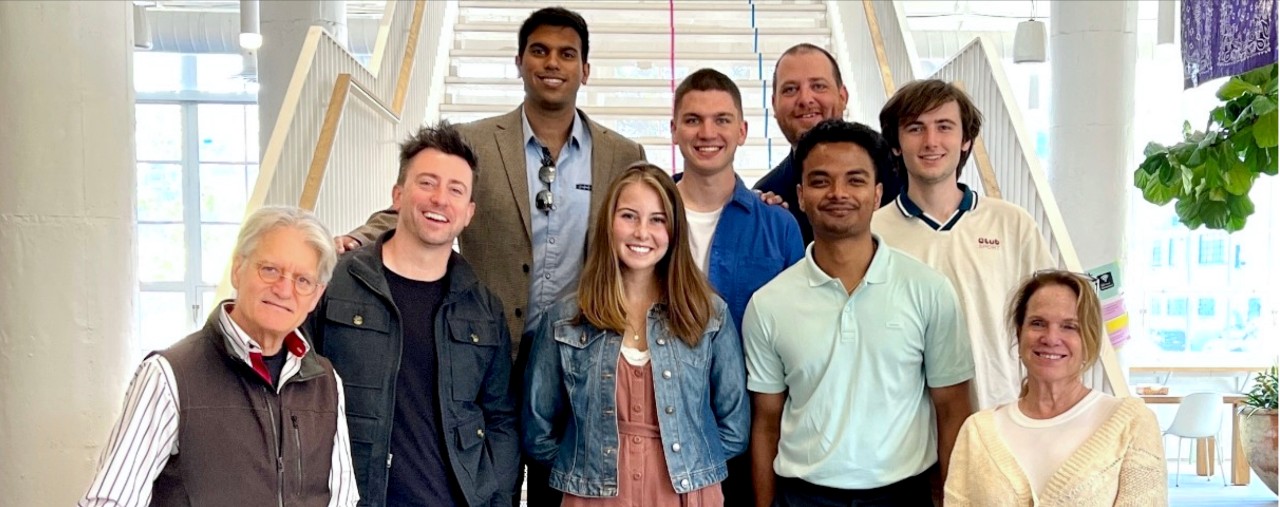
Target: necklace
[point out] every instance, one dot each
(635, 337)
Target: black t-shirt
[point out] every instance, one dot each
(419, 473)
(275, 364)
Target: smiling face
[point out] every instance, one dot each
(435, 200)
(1049, 338)
(932, 145)
(269, 311)
(641, 233)
(709, 129)
(552, 67)
(838, 190)
(805, 93)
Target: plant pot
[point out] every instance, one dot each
(1258, 435)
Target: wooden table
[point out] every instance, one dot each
(1205, 448)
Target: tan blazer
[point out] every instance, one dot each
(498, 242)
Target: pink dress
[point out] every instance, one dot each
(642, 468)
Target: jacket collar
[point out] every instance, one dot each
(366, 266)
(238, 348)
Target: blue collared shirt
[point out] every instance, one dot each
(559, 237)
(753, 242)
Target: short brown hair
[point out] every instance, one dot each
(443, 137)
(1088, 310)
(688, 294)
(921, 96)
(704, 80)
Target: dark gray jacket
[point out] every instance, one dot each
(357, 326)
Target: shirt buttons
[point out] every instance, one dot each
(636, 373)
(666, 374)
(474, 338)
(547, 276)
(635, 439)
(358, 320)
(636, 476)
(552, 240)
(675, 447)
(635, 408)
(684, 483)
(671, 410)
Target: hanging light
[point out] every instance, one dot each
(1165, 30)
(141, 28)
(250, 29)
(1030, 41)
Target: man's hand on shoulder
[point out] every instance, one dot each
(771, 199)
(345, 244)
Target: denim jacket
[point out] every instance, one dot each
(570, 422)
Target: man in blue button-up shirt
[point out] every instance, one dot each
(739, 241)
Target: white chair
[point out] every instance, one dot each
(1199, 416)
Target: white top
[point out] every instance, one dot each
(986, 248)
(633, 356)
(702, 226)
(146, 435)
(1028, 438)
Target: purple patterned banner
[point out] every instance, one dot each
(1226, 37)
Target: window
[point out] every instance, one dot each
(1177, 307)
(1155, 307)
(1206, 307)
(1157, 254)
(197, 146)
(1212, 251)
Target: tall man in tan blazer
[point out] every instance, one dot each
(542, 174)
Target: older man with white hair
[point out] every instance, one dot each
(241, 412)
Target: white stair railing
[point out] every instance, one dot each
(334, 146)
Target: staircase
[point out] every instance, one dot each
(630, 87)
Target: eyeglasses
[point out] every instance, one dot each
(1093, 280)
(545, 200)
(303, 285)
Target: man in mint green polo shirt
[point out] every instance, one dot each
(857, 356)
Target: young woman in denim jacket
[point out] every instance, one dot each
(636, 388)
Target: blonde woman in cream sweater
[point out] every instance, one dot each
(1060, 443)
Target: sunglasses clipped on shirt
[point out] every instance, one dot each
(545, 200)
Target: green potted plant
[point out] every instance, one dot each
(1258, 427)
(1210, 172)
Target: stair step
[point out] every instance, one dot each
(592, 83)
(642, 93)
(660, 55)
(660, 5)
(653, 125)
(615, 111)
(770, 45)
(609, 17)
(511, 29)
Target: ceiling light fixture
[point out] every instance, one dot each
(1030, 42)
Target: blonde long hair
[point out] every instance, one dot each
(688, 294)
(1088, 311)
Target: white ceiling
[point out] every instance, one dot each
(985, 15)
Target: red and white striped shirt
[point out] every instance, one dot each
(147, 432)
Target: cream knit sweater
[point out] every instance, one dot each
(1122, 465)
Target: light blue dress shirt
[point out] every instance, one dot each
(559, 237)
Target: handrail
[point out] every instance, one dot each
(290, 167)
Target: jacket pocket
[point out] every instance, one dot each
(358, 342)
(473, 455)
(473, 345)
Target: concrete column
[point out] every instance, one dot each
(1092, 57)
(67, 241)
(1093, 48)
(284, 27)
